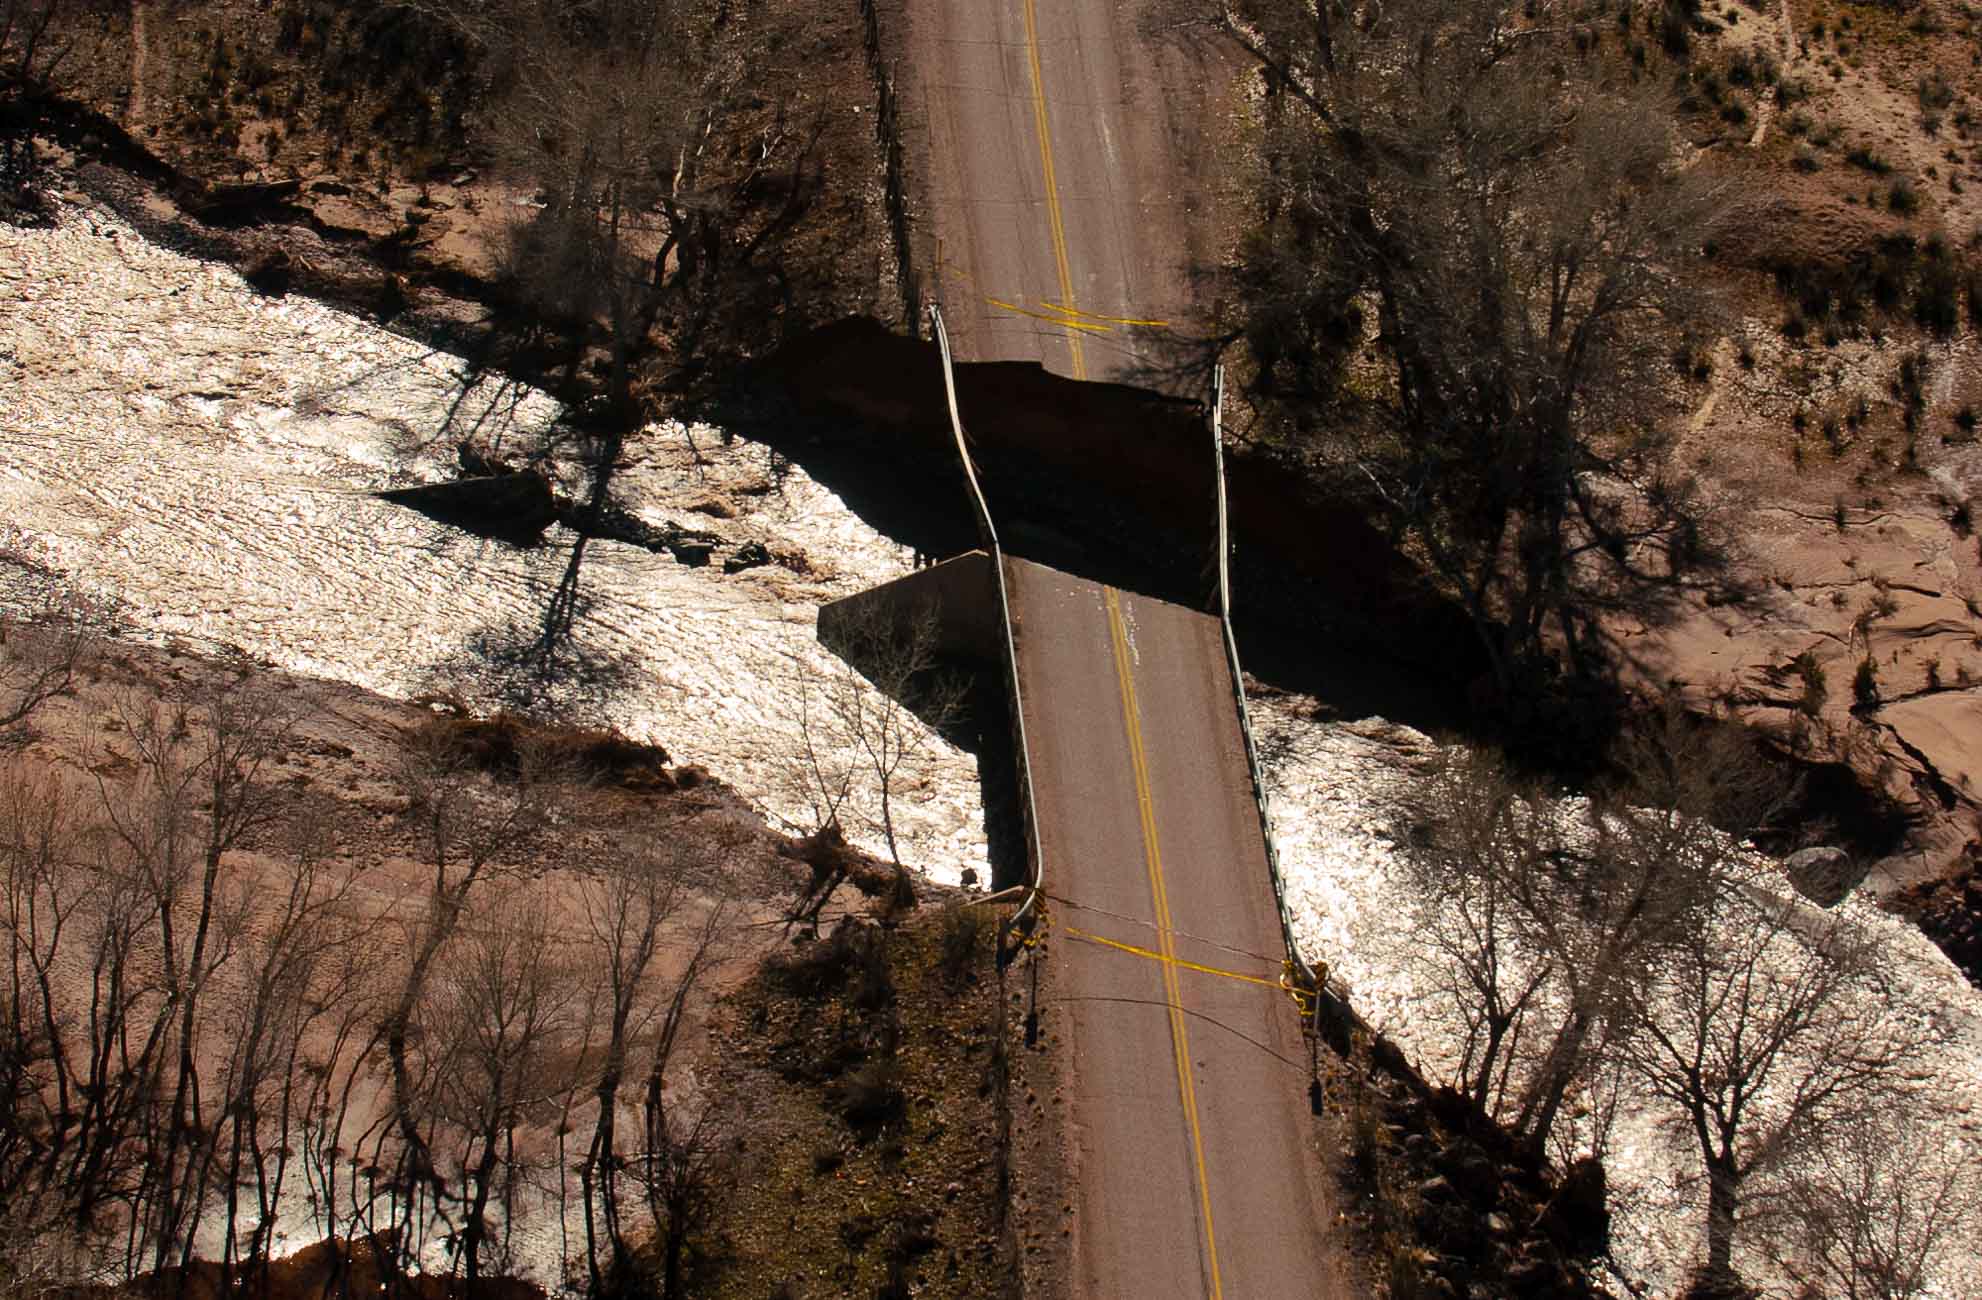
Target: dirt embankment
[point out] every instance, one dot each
(1834, 423)
(350, 154)
(857, 1082)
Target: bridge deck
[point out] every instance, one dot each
(1188, 1076)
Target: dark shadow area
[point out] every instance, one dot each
(515, 666)
(1114, 483)
(1833, 803)
(513, 508)
(992, 743)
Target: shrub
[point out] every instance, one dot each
(853, 956)
(500, 744)
(1815, 688)
(1937, 300)
(1902, 198)
(871, 1098)
(961, 942)
(1935, 91)
(1865, 684)
(1862, 156)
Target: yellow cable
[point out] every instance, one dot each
(1091, 937)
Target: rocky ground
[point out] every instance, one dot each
(1833, 424)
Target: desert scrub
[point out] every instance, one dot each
(1816, 689)
(1865, 685)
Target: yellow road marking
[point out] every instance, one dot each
(1061, 321)
(1153, 955)
(1153, 858)
(1113, 320)
(1053, 219)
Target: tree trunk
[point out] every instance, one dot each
(1544, 1099)
(1723, 1199)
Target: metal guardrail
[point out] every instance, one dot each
(1301, 968)
(988, 531)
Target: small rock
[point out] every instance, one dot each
(713, 504)
(750, 555)
(693, 553)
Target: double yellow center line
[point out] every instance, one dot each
(1153, 856)
(1054, 222)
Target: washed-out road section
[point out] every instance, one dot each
(1065, 159)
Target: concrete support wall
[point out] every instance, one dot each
(962, 592)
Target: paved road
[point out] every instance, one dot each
(1191, 1138)
(1059, 159)
(1063, 155)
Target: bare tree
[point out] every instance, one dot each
(86, 1018)
(467, 824)
(496, 1019)
(1769, 1031)
(41, 1256)
(197, 793)
(298, 974)
(1663, 850)
(1543, 917)
(1484, 839)
(36, 36)
(1878, 1209)
(637, 893)
(41, 653)
(869, 717)
(600, 108)
(1511, 212)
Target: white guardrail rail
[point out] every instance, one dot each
(1027, 914)
(1303, 975)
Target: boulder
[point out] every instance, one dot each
(1469, 1169)
(1824, 874)
(272, 273)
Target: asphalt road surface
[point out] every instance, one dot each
(1193, 1147)
(1060, 170)
(1064, 152)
